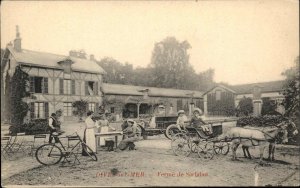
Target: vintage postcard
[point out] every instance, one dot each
(150, 93)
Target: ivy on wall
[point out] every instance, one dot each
(17, 91)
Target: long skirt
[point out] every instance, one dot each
(89, 139)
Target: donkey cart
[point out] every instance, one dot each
(192, 140)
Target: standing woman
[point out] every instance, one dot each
(89, 133)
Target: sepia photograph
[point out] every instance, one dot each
(150, 93)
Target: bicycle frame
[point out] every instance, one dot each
(64, 148)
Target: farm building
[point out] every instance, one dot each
(220, 100)
(135, 101)
(55, 81)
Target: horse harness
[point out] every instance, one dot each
(273, 139)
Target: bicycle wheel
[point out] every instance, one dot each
(89, 151)
(48, 154)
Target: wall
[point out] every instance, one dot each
(54, 98)
(277, 96)
(222, 105)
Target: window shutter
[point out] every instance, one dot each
(61, 86)
(32, 110)
(86, 88)
(97, 107)
(45, 85)
(31, 84)
(96, 88)
(46, 110)
(73, 87)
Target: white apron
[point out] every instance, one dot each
(90, 139)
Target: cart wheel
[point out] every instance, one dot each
(181, 145)
(194, 145)
(206, 150)
(171, 131)
(221, 148)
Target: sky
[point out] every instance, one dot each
(243, 41)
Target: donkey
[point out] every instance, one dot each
(282, 138)
(253, 137)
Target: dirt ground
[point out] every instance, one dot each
(154, 164)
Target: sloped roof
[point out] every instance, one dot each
(224, 87)
(120, 89)
(273, 86)
(49, 60)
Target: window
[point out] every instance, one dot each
(39, 110)
(68, 109)
(92, 107)
(67, 87)
(38, 84)
(112, 110)
(179, 104)
(91, 88)
(218, 95)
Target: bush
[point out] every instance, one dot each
(260, 121)
(37, 126)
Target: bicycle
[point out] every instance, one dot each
(51, 154)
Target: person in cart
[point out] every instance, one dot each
(181, 120)
(198, 123)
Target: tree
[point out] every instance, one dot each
(170, 64)
(291, 89)
(206, 79)
(117, 72)
(268, 107)
(245, 106)
(291, 94)
(80, 108)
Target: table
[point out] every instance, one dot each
(114, 133)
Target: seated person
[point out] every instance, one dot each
(181, 120)
(131, 133)
(197, 121)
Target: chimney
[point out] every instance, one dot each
(92, 57)
(72, 53)
(17, 41)
(82, 54)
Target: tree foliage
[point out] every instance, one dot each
(291, 95)
(268, 106)
(117, 72)
(169, 68)
(245, 106)
(80, 108)
(291, 89)
(170, 64)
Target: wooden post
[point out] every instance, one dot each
(138, 110)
